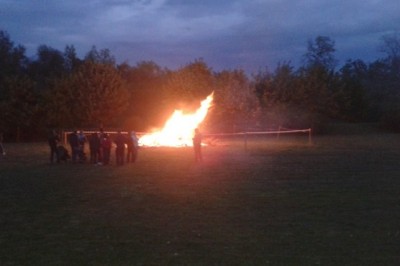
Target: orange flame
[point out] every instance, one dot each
(179, 128)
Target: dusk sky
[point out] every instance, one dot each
(226, 34)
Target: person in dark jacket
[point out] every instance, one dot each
(102, 137)
(120, 142)
(74, 144)
(94, 146)
(2, 151)
(133, 147)
(81, 146)
(53, 140)
(106, 149)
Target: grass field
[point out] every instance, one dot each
(280, 202)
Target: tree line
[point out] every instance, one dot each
(58, 90)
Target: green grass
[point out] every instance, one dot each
(280, 202)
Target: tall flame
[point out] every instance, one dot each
(179, 128)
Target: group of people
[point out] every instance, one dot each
(100, 145)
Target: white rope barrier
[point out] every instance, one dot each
(277, 132)
(261, 132)
(245, 134)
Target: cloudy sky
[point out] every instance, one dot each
(226, 34)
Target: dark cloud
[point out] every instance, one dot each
(227, 34)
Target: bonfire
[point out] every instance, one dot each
(179, 129)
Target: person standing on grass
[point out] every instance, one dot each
(120, 142)
(53, 140)
(100, 151)
(2, 151)
(94, 146)
(106, 149)
(81, 145)
(74, 144)
(197, 138)
(133, 146)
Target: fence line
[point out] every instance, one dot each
(245, 134)
(277, 132)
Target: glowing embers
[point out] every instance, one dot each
(179, 129)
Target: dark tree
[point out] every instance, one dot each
(384, 84)
(391, 45)
(144, 83)
(93, 95)
(12, 58)
(103, 56)
(318, 84)
(47, 68)
(189, 83)
(71, 60)
(235, 101)
(19, 113)
(15, 87)
(184, 88)
(352, 98)
(320, 53)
